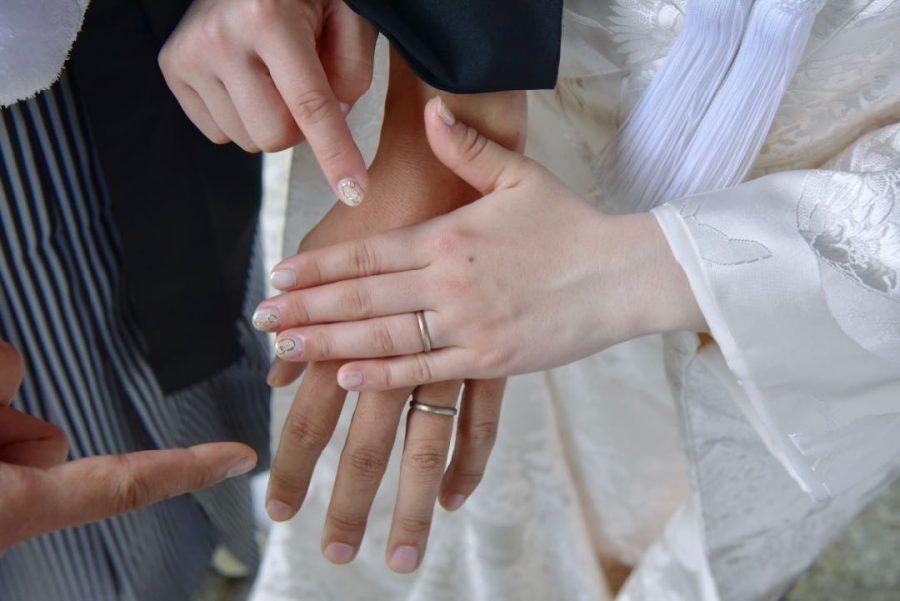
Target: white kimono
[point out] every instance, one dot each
(718, 471)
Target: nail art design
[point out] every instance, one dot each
(265, 319)
(288, 347)
(350, 192)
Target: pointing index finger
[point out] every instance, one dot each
(297, 71)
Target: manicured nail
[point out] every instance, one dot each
(265, 319)
(404, 559)
(241, 467)
(283, 279)
(454, 502)
(345, 108)
(445, 113)
(279, 511)
(338, 553)
(350, 192)
(350, 379)
(287, 348)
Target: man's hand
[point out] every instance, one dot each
(409, 185)
(266, 74)
(40, 493)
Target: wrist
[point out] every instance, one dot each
(661, 296)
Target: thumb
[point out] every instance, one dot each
(480, 162)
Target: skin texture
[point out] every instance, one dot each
(265, 74)
(527, 278)
(408, 185)
(41, 492)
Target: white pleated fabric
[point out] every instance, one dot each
(718, 472)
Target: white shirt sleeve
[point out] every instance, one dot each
(798, 276)
(35, 39)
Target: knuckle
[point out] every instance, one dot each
(347, 522)
(131, 491)
(368, 462)
(427, 458)
(420, 369)
(363, 259)
(356, 301)
(311, 106)
(449, 240)
(494, 361)
(472, 145)
(383, 340)
(306, 433)
(456, 287)
(480, 434)
(262, 12)
(415, 526)
(321, 345)
(387, 377)
(214, 32)
(300, 312)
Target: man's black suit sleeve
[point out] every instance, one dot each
(469, 46)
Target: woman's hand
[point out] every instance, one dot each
(40, 492)
(267, 73)
(527, 278)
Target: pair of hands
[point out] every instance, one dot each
(41, 492)
(527, 278)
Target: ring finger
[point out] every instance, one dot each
(424, 459)
(379, 337)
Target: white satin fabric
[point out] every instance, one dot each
(719, 472)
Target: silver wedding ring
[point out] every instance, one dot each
(423, 331)
(415, 405)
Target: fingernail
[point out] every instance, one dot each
(338, 553)
(287, 348)
(404, 559)
(350, 192)
(454, 502)
(265, 318)
(345, 108)
(279, 511)
(445, 113)
(283, 279)
(350, 379)
(241, 467)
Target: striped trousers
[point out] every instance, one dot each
(62, 306)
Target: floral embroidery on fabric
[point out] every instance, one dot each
(853, 223)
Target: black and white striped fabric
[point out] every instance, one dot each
(61, 305)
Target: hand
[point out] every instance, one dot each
(40, 493)
(318, 402)
(267, 73)
(409, 185)
(527, 278)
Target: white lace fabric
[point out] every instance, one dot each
(718, 474)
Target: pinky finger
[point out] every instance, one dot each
(476, 431)
(407, 371)
(194, 107)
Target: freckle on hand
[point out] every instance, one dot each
(471, 259)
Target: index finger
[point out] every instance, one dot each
(397, 250)
(92, 489)
(297, 71)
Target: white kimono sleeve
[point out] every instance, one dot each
(798, 276)
(35, 39)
